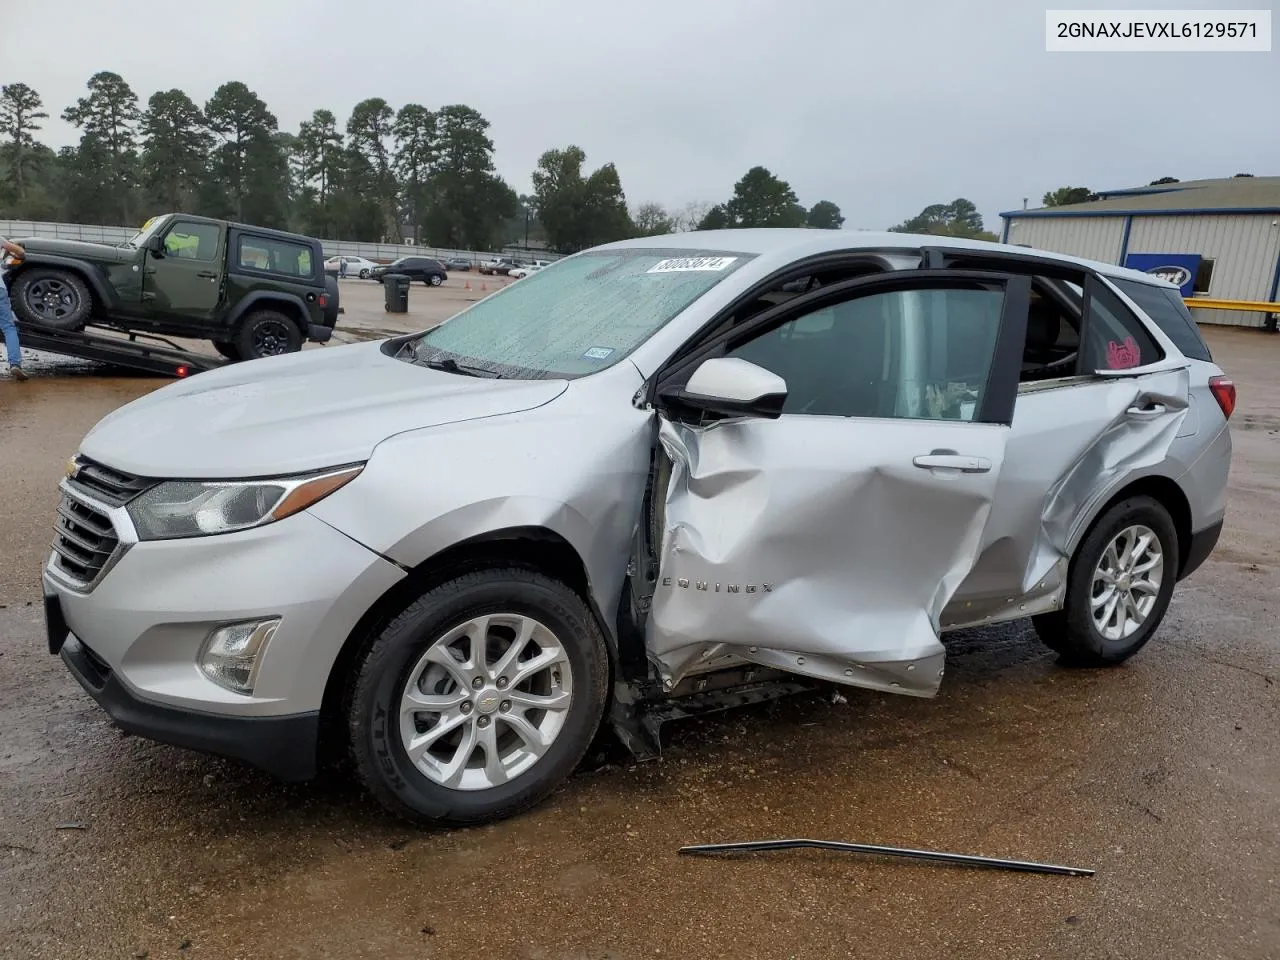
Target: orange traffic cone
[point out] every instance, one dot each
(467, 286)
(483, 287)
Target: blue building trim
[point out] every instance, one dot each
(1179, 212)
(1124, 240)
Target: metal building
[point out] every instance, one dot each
(1217, 239)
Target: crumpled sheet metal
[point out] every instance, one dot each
(770, 546)
(1062, 461)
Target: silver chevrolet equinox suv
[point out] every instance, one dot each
(659, 477)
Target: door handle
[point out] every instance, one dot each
(208, 275)
(1152, 411)
(950, 460)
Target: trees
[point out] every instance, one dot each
(175, 152)
(21, 111)
(652, 220)
(824, 215)
(249, 171)
(1065, 195)
(107, 158)
(959, 218)
(321, 166)
(577, 211)
(468, 202)
(762, 200)
(369, 135)
(416, 143)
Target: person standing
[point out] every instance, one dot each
(7, 326)
(342, 268)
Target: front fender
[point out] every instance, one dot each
(103, 292)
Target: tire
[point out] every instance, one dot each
(397, 658)
(227, 349)
(267, 333)
(52, 298)
(435, 280)
(364, 274)
(1072, 632)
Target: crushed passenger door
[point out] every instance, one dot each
(826, 539)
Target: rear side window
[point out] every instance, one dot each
(275, 256)
(1115, 339)
(1170, 314)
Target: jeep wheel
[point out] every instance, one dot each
(479, 699)
(53, 298)
(1118, 588)
(267, 333)
(227, 349)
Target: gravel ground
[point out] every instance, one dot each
(1162, 775)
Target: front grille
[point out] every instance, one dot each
(84, 540)
(112, 487)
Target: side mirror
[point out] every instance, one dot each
(730, 387)
(156, 246)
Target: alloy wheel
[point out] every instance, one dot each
(52, 299)
(1126, 582)
(485, 701)
(270, 338)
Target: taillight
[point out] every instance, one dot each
(1224, 391)
(323, 299)
(182, 371)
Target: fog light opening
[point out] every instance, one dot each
(231, 654)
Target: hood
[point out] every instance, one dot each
(79, 249)
(299, 412)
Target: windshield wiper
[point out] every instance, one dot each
(450, 365)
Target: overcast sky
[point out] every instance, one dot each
(883, 106)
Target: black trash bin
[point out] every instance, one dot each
(396, 288)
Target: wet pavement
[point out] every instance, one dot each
(1162, 775)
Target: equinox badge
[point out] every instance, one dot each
(684, 583)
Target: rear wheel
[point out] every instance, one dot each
(364, 274)
(267, 333)
(435, 280)
(479, 699)
(1119, 586)
(53, 298)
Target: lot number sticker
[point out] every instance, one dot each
(687, 264)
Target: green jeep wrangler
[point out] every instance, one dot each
(253, 292)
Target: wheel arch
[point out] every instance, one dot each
(286, 303)
(98, 287)
(531, 547)
(1165, 491)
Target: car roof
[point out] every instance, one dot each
(794, 243)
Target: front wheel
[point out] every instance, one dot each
(364, 274)
(1118, 588)
(267, 333)
(479, 699)
(227, 349)
(52, 298)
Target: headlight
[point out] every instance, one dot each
(188, 508)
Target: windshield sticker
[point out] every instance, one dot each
(1122, 356)
(688, 264)
(598, 353)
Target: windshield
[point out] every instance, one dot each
(577, 316)
(150, 227)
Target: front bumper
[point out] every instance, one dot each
(283, 746)
(149, 614)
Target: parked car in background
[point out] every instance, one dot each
(499, 267)
(458, 263)
(356, 266)
(682, 488)
(429, 271)
(523, 271)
